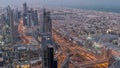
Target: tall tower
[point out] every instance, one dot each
(50, 57)
(35, 18)
(47, 48)
(44, 52)
(17, 15)
(29, 20)
(25, 11)
(25, 8)
(2, 20)
(11, 24)
(8, 15)
(47, 53)
(55, 63)
(47, 23)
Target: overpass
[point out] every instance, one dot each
(93, 59)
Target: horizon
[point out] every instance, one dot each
(99, 3)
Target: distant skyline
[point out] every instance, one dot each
(100, 5)
(18, 3)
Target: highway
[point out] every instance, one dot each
(116, 53)
(91, 59)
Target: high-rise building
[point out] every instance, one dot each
(2, 20)
(25, 11)
(50, 57)
(8, 15)
(47, 53)
(35, 17)
(21, 53)
(47, 47)
(44, 52)
(17, 15)
(25, 8)
(55, 63)
(11, 24)
(47, 23)
(46, 26)
(13, 40)
(25, 18)
(32, 17)
(29, 20)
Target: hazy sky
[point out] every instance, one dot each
(107, 3)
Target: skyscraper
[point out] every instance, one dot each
(50, 57)
(11, 24)
(47, 23)
(47, 53)
(29, 18)
(25, 8)
(8, 15)
(55, 63)
(17, 15)
(35, 17)
(25, 11)
(44, 52)
(47, 47)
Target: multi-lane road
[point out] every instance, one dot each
(91, 59)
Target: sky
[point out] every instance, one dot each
(106, 3)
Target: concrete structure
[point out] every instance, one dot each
(25, 8)
(47, 47)
(45, 51)
(55, 63)
(29, 20)
(35, 19)
(11, 24)
(34, 14)
(25, 11)
(21, 53)
(17, 15)
(50, 57)
(46, 25)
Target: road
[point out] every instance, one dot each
(76, 49)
